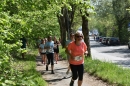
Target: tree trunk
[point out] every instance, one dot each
(85, 31)
(65, 22)
(69, 16)
(61, 20)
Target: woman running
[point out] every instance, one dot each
(76, 50)
(43, 51)
(50, 53)
(56, 49)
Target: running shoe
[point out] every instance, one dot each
(52, 72)
(46, 68)
(72, 83)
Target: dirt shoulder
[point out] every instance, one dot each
(58, 79)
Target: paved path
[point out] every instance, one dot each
(58, 79)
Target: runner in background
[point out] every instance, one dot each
(45, 54)
(60, 40)
(56, 49)
(67, 42)
(49, 46)
(45, 40)
(24, 44)
(43, 51)
(38, 43)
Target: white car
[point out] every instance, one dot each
(103, 40)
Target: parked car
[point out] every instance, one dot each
(103, 40)
(129, 44)
(98, 38)
(106, 42)
(113, 41)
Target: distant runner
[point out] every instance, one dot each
(67, 42)
(24, 44)
(56, 49)
(43, 51)
(50, 53)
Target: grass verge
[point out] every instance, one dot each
(27, 67)
(108, 72)
(62, 53)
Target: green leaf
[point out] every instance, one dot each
(9, 82)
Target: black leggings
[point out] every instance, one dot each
(77, 71)
(50, 58)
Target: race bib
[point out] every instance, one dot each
(44, 51)
(55, 46)
(78, 58)
(50, 50)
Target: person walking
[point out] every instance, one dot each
(67, 42)
(45, 54)
(76, 50)
(56, 49)
(24, 45)
(43, 51)
(49, 45)
(38, 44)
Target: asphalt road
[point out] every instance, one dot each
(117, 54)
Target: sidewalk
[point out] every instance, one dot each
(58, 79)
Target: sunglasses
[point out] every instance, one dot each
(79, 36)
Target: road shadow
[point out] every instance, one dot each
(120, 51)
(117, 51)
(98, 44)
(61, 68)
(123, 63)
(54, 80)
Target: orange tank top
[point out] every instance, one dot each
(77, 51)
